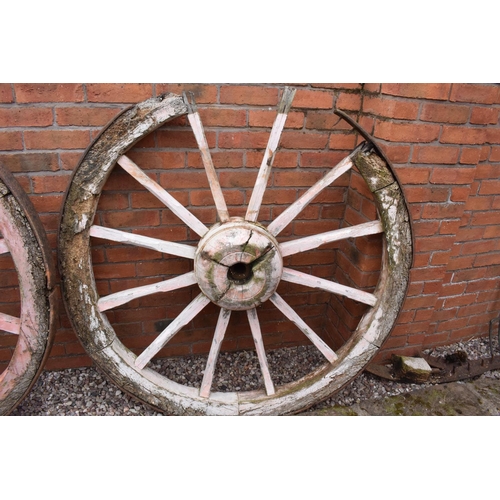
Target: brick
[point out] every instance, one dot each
(312, 99)
(30, 162)
(470, 156)
(11, 141)
(6, 93)
(489, 187)
(183, 180)
(349, 102)
(396, 153)
(301, 140)
(426, 194)
(451, 175)
(442, 210)
(444, 113)
(48, 92)
(322, 159)
(372, 87)
(25, 117)
(248, 95)
(223, 159)
(435, 154)
(243, 140)
(484, 116)
(283, 159)
(346, 86)
(391, 108)
(342, 141)
(265, 118)
(50, 183)
(429, 244)
(413, 175)
(485, 218)
(462, 135)
(469, 92)
(325, 121)
(493, 135)
(406, 132)
(169, 138)
(85, 117)
(159, 160)
(203, 94)
(438, 91)
(130, 218)
(221, 117)
(495, 154)
(296, 179)
(487, 260)
(57, 139)
(119, 92)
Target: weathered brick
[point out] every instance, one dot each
(450, 175)
(249, 95)
(6, 93)
(437, 91)
(203, 94)
(435, 154)
(462, 135)
(119, 92)
(26, 117)
(391, 108)
(30, 162)
(85, 117)
(471, 92)
(444, 113)
(57, 139)
(351, 102)
(11, 141)
(406, 132)
(484, 116)
(48, 92)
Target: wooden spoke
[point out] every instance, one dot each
(184, 317)
(119, 298)
(167, 247)
(295, 208)
(9, 323)
(259, 347)
(220, 331)
(310, 242)
(329, 286)
(308, 332)
(154, 188)
(267, 161)
(199, 133)
(3, 247)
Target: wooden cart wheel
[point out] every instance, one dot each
(23, 237)
(237, 264)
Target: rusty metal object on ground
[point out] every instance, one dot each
(23, 237)
(238, 265)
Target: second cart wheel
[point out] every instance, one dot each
(24, 247)
(238, 264)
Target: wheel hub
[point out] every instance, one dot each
(238, 264)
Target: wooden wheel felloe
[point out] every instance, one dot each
(22, 236)
(237, 265)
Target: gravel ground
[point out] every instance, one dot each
(85, 391)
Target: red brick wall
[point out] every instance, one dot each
(444, 142)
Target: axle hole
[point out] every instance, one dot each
(240, 272)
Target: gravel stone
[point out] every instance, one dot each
(86, 391)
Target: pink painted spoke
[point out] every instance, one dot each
(154, 188)
(184, 317)
(10, 324)
(267, 161)
(295, 208)
(329, 286)
(3, 247)
(311, 242)
(167, 247)
(199, 133)
(308, 332)
(220, 331)
(261, 353)
(119, 298)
